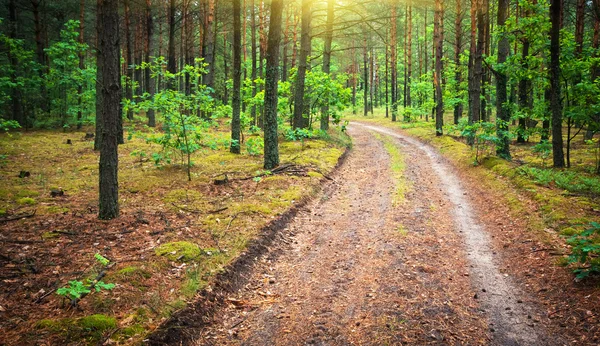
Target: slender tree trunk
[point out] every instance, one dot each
(16, 97)
(372, 80)
(458, 108)
(327, 58)
(408, 61)
(149, 80)
(109, 54)
(138, 55)
(81, 63)
(393, 62)
(171, 61)
(502, 114)
(286, 40)
(209, 42)
(254, 62)
(555, 86)
(271, 157)
(478, 66)
(237, 78)
(365, 76)
(437, 79)
(40, 52)
(128, 58)
(305, 41)
(524, 86)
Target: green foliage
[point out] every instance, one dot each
(65, 77)
(482, 134)
(181, 251)
(255, 146)
(566, 180)
(585, 251)
(543, 150)
(183, 129)
(77, 289)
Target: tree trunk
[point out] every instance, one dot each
(109, 54)
(393, 62)
(40, 52)
(16, 97)
(254, 62)
(365, 76)
(305, 40)
(458, 108)
(171, 61)
(408, 61)
(81, 63)
(327, 58)
(524, 86)
(437, 79)
(149, 80)
(209, 43)
(128, 58)
(502, 114)
(558, 157)
(271, 156)
(237, 78)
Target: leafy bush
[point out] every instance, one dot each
(254, 146)
(543, 150)
(481, 135)
(585, 251)
(566, 180)
(77, 289)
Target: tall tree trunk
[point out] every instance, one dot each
(478, 66)
(558, 157)
(149, 80)
(16, 97)
(171, 61)
(437, 79)
(365, 75)
(393, 62)
(524, 86)
(408, 61)
(458, 108)
(109, 54)
(502, 114)
(209, 42)
(99, 76)
(372, 80)
(40, 52)
(327, 58)
(254, 62)
(128, 57)
(485, 99)
(305, 41)
(271, 157)
(81, 63)
(138, 55)
(286, 40)
(237, 78)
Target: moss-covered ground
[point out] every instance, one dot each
(171, 239)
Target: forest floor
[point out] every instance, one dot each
(172, 239)
(407, 247)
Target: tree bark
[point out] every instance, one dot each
(149, 81)
(16, 97)
(171, 61)
(81, 63)
(502, 114)
(327, 58)
(209, 43)
(437, 79)
(299, 120)
(558, 157)
(40, 52)
(109, 54)
(394, 62)
(524, 86)
(237, 78)
(458, 108)
(365, 75)
(254, 61)
(408, 61)
(271, 155)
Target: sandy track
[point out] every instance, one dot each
(356, 269)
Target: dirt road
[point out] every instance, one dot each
(362, 266)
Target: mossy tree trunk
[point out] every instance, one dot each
(237, 78)
(502, 114)
(271, 156)
(558, 157)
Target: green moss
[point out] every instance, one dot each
(181, 251)
(315, 174)
(26, 201)
(50, 235)
(182, 195)
(26, 193)
(130, 272)
(2, 212)
(131, 331)
(569, 231)
(292, 194)
(90, 328)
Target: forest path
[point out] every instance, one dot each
(361, 266)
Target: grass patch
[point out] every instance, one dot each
(88, 328)
(398, 167)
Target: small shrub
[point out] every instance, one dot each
(254, 146)
(26, 201)
(585, 251)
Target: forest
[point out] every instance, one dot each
(185, 171)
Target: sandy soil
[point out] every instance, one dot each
(354, 268)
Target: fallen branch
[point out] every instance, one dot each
(17, 217)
